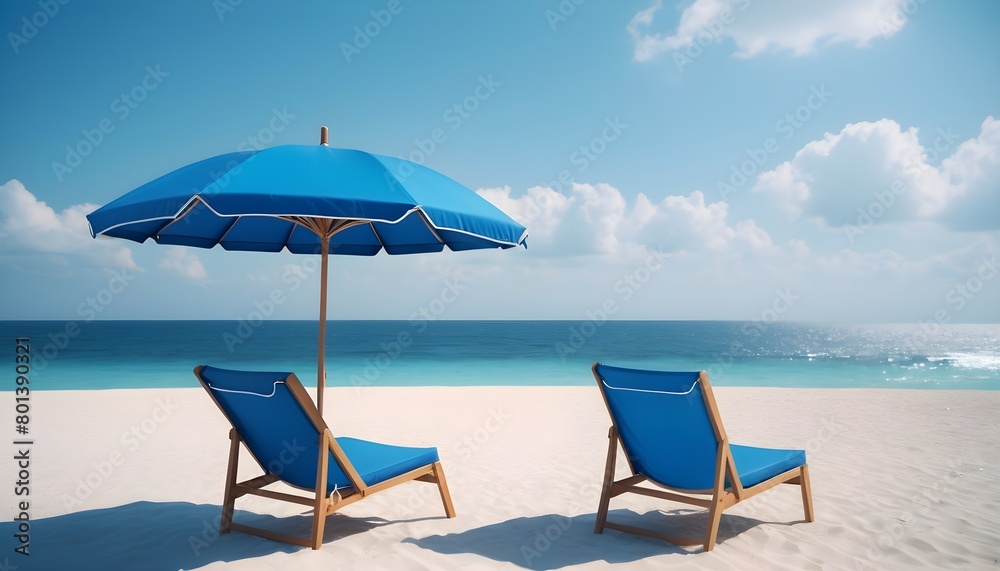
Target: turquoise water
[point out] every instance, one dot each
(125, 354)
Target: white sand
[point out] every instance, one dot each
(901, 479)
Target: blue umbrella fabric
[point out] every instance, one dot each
(309, 200)
(267, 201)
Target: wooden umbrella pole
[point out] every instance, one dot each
(323, 231)
(321, 366)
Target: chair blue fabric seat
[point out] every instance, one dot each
(754, 465)
(669, 426)
(273, 416)
(377, 462)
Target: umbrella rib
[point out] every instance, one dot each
(307, 223)
(322, 227)
(344, 224)
(182, 213)
(434, 227)
(490, 238)
(377, 237)
(186, 206)
(226, 233)
(430, 225)
(291, 231)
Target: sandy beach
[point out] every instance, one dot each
(133, 479)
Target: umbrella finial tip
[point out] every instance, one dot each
(323, 134)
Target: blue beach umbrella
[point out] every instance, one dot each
(309, 200)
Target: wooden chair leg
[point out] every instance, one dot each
(714, 519)
(229, 499)
(449, 508)
(722, 468)
(807, 500)
(319, 506)
(609, 478)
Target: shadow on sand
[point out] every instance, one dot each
(167, 536)
(161, 536)
(556, 541)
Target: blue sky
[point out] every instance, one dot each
(708, 159)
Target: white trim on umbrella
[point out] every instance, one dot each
(182, 212)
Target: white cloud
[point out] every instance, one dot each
(597, 220)
(871, 173)
(974, 170)
(799, 26)
(688, 223)
(583, 223)
(540, 209)
(31, 231)
(594, 222)
(183, 263)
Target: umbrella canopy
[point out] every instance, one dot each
(309, 200)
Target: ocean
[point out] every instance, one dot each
(133, 354)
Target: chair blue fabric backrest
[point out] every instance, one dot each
(272, 423)
(664, 425)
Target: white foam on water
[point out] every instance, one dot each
(989, 362)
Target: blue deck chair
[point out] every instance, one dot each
(669, 427)
(273, 416)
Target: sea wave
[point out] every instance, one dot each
(986, 361)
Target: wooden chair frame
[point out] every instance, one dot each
(719, 497)
(322, 504)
